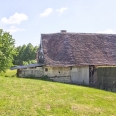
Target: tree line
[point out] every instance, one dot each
(26, 54)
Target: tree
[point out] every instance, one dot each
(18, 59)
(7, 50)
(26, 54)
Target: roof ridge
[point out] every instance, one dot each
(78, 33)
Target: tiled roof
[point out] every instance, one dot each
(72, 49)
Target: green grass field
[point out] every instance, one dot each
(8, 73)
(29, 97)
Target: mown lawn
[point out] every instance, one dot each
(8, 73)
(29, 97)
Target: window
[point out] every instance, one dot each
(46, 69)
(70, 67)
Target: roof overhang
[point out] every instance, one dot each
(27, 66)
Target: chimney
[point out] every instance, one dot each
(63, 31)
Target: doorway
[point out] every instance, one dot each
(91, 74)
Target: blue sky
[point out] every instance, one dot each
(27, 19)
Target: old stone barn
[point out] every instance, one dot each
(72, 57)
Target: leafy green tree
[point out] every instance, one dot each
(7, 50)
(35, 49)
(25, 63)
(29, 62)
(21, 55)
(26, 54)
(17, 57)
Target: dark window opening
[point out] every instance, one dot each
(71, 68)
(91, 74)
(59, 71)
(46, 69)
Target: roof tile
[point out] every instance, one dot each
(71, 49)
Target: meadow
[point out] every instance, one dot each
(33, 97)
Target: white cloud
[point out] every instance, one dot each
(14, 19)
(47, 12)
(62, 10)
(14, 29)
(108, 31)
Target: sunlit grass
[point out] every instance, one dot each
(29, 97)
(8, 73)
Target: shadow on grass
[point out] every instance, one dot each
(43, 78)
(46, 78)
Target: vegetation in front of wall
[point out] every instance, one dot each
(44, 77)
(106, 78)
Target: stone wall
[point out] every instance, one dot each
(60, 74)
(32, 72)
